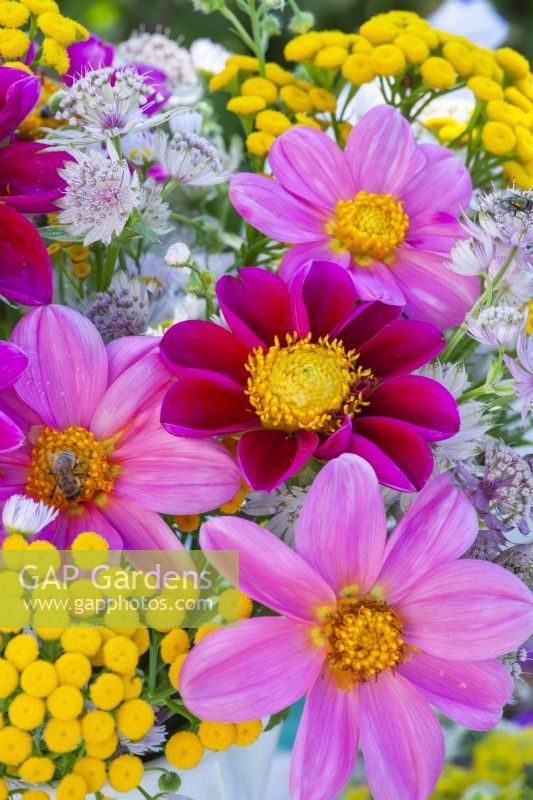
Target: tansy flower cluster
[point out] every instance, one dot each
(80, 704)
(34, 33)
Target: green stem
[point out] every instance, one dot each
(239, 28)
(109, 267)
(256, 33)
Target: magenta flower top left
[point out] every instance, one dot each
(13, 362)
(101, 405)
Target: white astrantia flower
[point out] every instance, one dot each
(187, 121)
(157, 50)
(189, 158)
(178, 255)
(99, 197)
(155, 212)
(474, 421)
(139, 148)
(208, 57)
(104, 104)
(497, 326)
(23, 515)
(283, 505)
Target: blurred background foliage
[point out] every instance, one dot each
(116, 19)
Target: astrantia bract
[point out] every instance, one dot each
(386, 209)
(309, 372)
(374, 631)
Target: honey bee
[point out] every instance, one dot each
(64, 468)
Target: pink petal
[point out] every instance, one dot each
(14, 473)
(138, 528)
(196, 347)
(299, 255)
(401, 347)
(309, 164)
(377, 282)
(382, 152)
(197, 475)
(11, 436)
(91, 519)
(471, 693)
(269, 571)
(437, 232)
(67, 371)
(243, 301)
(258, 668)
(467, 610)
(424, 405)
(19, 92)
(322, 297)
(29, 179)
(13, 362)
(326, 743)
(124, 352)
(25, 268)
(267, 457)
(205, 406)
(265, 204)
(137, 388)
(433, 292)
(399, 456)
(444, 184)
(439, 527)
(402, 742)
(342, 526)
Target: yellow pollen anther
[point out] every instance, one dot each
(68, 468)
(369, 226)
(306, 385)
(363, 638)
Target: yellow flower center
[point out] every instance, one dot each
(306, 385)
(68, 468)
(363, 637)
(369, 226)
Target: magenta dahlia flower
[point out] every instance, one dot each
(307, 371)
(13, 362)
(99, 406)
(386, 209)
(374, 631)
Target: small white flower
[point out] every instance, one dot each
(23, 515)
(208, 57)
(99, 197)
(189, 158)
(497, 326)
(186, 122)
(178, 255)
(153, 209)
(157, 50)
(152, 742)
(139, 148)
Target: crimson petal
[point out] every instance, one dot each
(401, 347)
(206, 406)
(25, 266)
(322, 296)
(29, 179)
(196, 347)
(267, 457)
(366, 321)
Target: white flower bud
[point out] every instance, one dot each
(178, 255)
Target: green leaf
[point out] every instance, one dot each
(58, 233)
(277, 719)
(144, 231)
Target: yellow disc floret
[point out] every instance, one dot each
(217, 735)
(248, 732)
(13, 15)
(370, 225)
(107, 691)
(304, 384)
(135, 718)
(62, 736)
(22, 650)
(9, 678)
(184, 750)
(26, 712)
(125, 773)
(37, 770)
(71, 787)
(15, 746)
(39, 679)
(68, 467)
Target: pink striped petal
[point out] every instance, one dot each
(269, 571)
(139, 528)
(443, 170)
(401, 347)
(199, 347)
(266, 205)
(246, 316)
(197, 475)
(473, 694)
(437, 232)
(91, 519)
(139, 387)
(11, 436)
(467, 610)
(206, 406)
(13, 362)
(26, 274)
(125, 352)
(14, 473)
(433, 292)
(258, 668)
(67, 371)
(268, 457)
(400, 457)
(299, 255)
(310, 165)
(401, 739)
(439, 527)
(377, 283)
(326, 743)
(382, 152)
(342, 526)
(420, 403)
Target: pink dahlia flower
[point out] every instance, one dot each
(13, 362)
(307, 371)
(95, 410)
(374, 631)
(386, 209)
